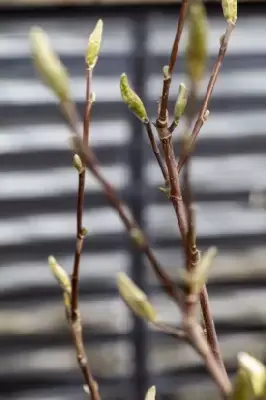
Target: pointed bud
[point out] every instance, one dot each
(67, 302)
(151, 393)
(94, 44)
(48, 64)
(166, 72)
(132, 100)
(165, 190)
(93, 97)
(230, 10)
(60, 274)
(198, 277)
(137, 236)
(255, 372)
(77, 163)
(181, 102)
(196, 53)
(135, 298)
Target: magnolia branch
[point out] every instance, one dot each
(214, 75)
(75, 321)
(168, 74)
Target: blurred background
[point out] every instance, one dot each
(38, 197)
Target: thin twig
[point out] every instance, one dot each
(130, 224)
(175, 191)
(192, 252)
(155, 149)
(75, 321)
(80, 201)
(198, 341)
(168, 78)
(201, 118)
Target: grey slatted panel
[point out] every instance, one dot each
(228, 164)
(37, 197)
(37, 200)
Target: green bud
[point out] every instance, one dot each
(137, 235)
(77, 163)
(198, 277)
(151, 393)
(166, 71)
(132, 100)
(181, 102)
(135, 298)
(230, 10)
(255, 372)
(48, 64)
(60, 274)
(196, 52)
(94, 44)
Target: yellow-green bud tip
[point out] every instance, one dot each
(94, 44)
(48, 64)
(77, 163)
(181, 102)
(230, 10)
(151, 393)
(52, 261)
(132, 100)
(135, 298)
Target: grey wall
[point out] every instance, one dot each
(37, 203)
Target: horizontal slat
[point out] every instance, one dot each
(229, 83)
(44, 137)
(55, 181)
(49, 318)
(68, 37)
(228, 267)
(161, 30)
(36, 273)
(220, 173)
(223, 218)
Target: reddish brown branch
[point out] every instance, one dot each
(175, 191)
(156, 150)
(80, 202)
(168, 78)
(201, 118)
(130, 224)
(192, 253)
(75, 321)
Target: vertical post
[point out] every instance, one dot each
(137, 203)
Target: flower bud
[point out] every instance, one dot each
(60, 274)
(181, 102)
(151, 393)
(230, 10)
(48, 64)
(94, 44)
(196, 53)
(132, 100)
(198, 277)
(77, 163)
(135, 298)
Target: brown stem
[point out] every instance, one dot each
(198, 341)
(175, 191)
(75, 321)
(76, 330)
(156, 150)
(131, 225)
(167, 79)
(80, 202)
(201, 119)
(210, 328)
(192, 253)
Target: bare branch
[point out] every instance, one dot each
(202, 115)
(168, 78)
